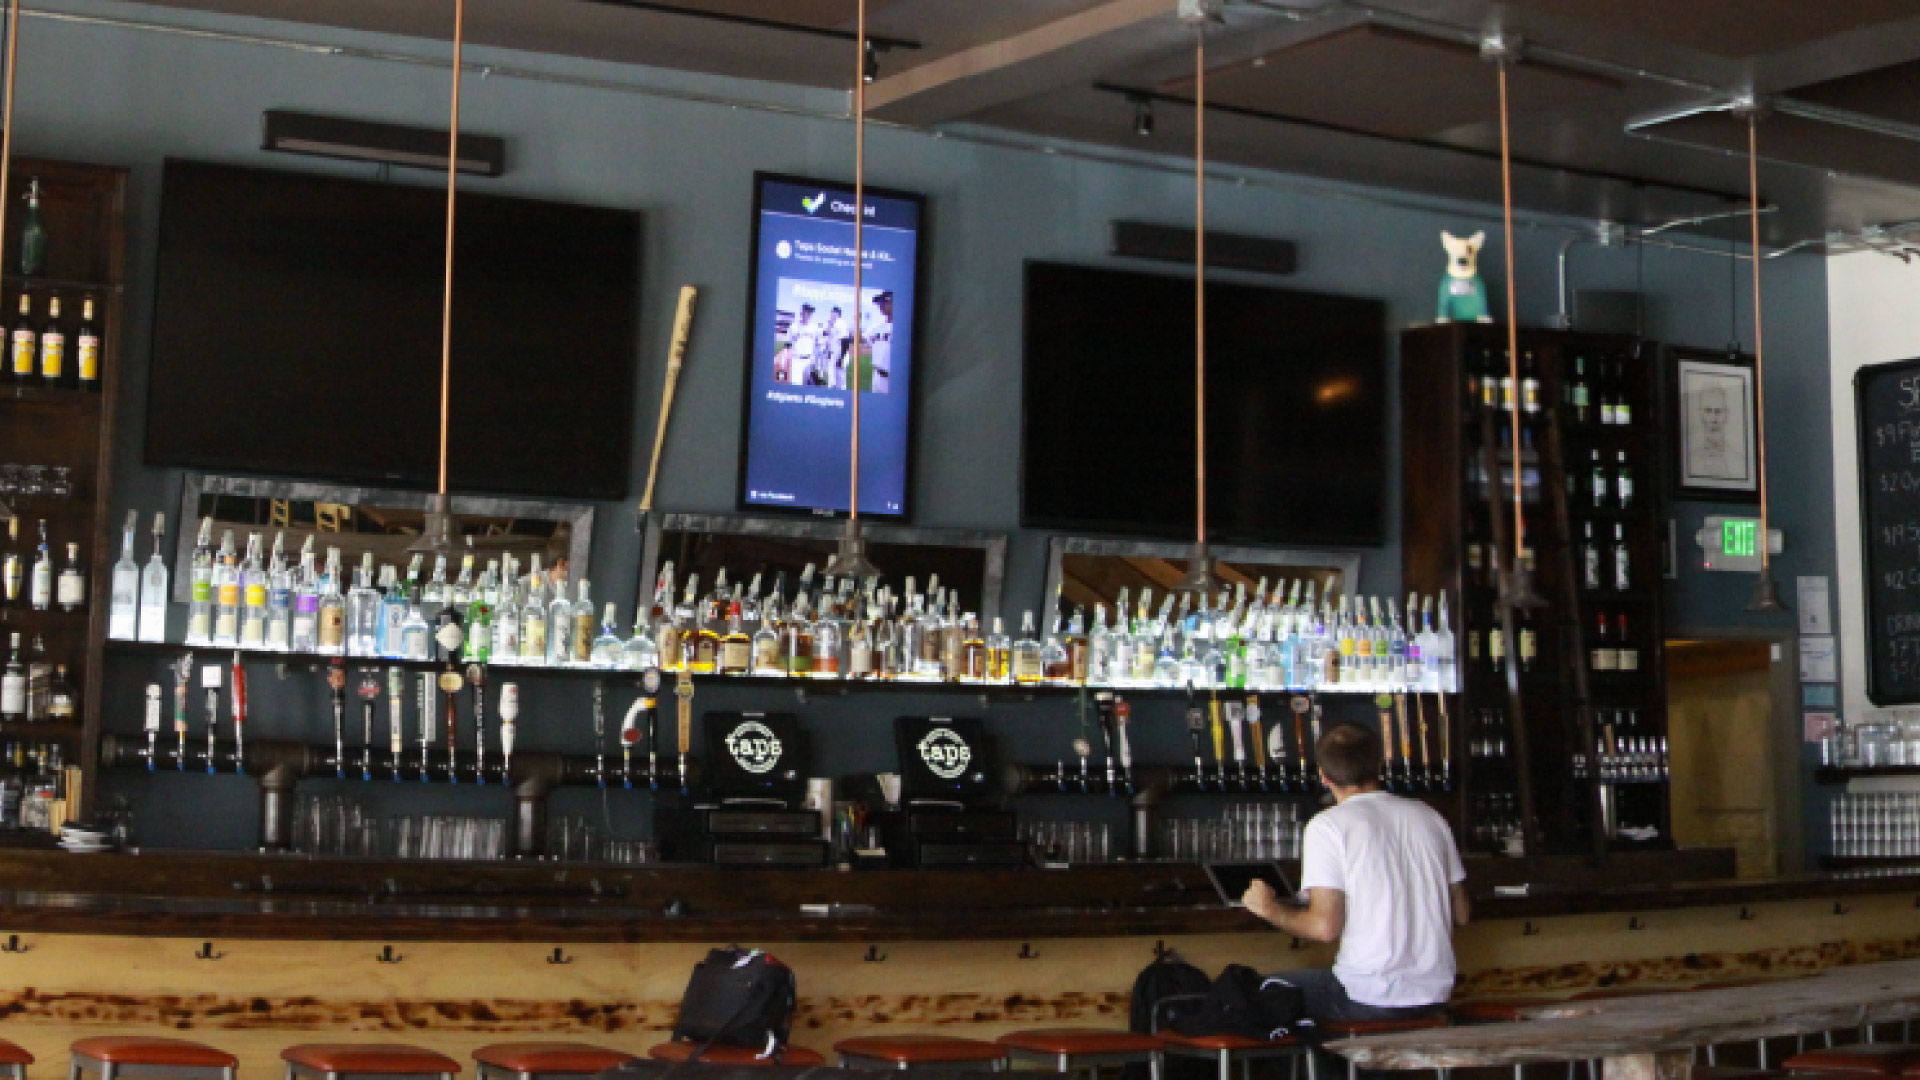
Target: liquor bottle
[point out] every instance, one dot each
(1055, 667)
(63, 703)
(533, 619)
(479, 644)
(39, 675)
(1100, 648)
(1598, 483)
(999, 653)
(607, 647)
(462, 592)
(1167, 668)
(123, 603)
(13, 569)
(33, 234)
(226, 593)
(953, 641)
(1622, 407)
(433, 596)
(255, 603)
(1626, 654)
(860, 651)
(1497, 648)
(1622, 579)
(1529, 642)
(767, 658)
(1577, 390)
(1623, 480)
(582, 628)
(304, 636)
(1529, 384)
(200, 611)
(40, 586)
(1028, 666)
(796, 636)
(25, 341)
(826, 643)
(363, 612)
(53, 346)
(1444, 662)
(86, 342)
(1603, 656)
(416, 636)
(926, 662)
(640, 652)
(153, 587)
(707, 629)
(13, 686)
(975, 665)
(332, 632)
(1590, 560)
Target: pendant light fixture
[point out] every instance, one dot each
(439, 533)
(851, 561)
(1766, 593)
(1516, 585)
(6, 146)
(1199, 577)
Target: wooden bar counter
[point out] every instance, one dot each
(253, 952)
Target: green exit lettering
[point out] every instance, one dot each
(1740, 537)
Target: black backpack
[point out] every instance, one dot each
(1164, 979)
(1241, 1002)
(738, 997)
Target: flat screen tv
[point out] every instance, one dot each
(297, 324)
(1296, 409)
(797, 425)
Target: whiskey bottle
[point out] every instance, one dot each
(999, 653)
(1497, 648)
(13, 567)
(559, 623)
(53, 346)
(766, 640)
(1529, 643)
(582, 635)
(154, 581)
(39, 675)
(533, 619)
(40, 586)
(123, 603)
(1622, 407)
(1028, 667)
(86, 342)
(975, 665)
(860, 638)
(24, 342)
(13, 686)
(63, 704)
(1622, 579)
(1055, 666)
(826, 641)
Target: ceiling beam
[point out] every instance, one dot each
(1068, 51)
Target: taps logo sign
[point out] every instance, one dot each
(945, 753)
(812, 204)
(754, 747)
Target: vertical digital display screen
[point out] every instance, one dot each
(1740, 537)
(804, 360)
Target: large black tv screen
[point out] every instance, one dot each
(1296, 409)
(297, 331)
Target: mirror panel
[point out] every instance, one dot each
(1084, 571)
(380, 520)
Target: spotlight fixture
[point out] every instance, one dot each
(1142, 117)
(870, 68)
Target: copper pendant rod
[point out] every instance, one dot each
(453, 174)
(1200, 286)
(859, 239)
(6, 115)
(1759, 352)
(1513, 325)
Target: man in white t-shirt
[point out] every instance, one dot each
(803, 338)
(1383, 878)
(879, 334)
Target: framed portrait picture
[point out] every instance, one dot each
(1714, 451)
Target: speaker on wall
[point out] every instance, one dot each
(381, 144)
(1225, 250)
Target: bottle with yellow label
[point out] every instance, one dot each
(24, 341)
(86, 343)
(53, 346)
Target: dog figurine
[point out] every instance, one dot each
(1463, 296)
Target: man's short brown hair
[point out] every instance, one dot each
(1350, 755)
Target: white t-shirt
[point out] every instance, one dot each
(1395, 860)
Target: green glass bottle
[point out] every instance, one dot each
(33, 234)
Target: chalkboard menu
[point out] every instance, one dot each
(1887, 403)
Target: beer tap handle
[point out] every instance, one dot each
(1383, 709)
(1232, 709)
(210, 681)
(600, 733)
(1300, 705)
(1446, 743)
(650, 687)
(683, 690)
(1196, 723)
(477, 678)
(1103, 712)
(1256, 739)
(369, 699)
(1314, 699)
(426, 727)
(1218, 727)
(509, 714)
(1426, 759)
(239, 717)
(1122, 714)
(153, 723)
(630, 733)
(183, 670)
(451, 684)
(396, 717)
(337, 685)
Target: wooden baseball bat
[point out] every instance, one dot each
(676, 356)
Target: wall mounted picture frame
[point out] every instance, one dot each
(1712, 424)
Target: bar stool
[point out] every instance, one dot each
(1067, 1049)
(1866, 1060)
(1227, 1050)
(1740, 982)
(738, 1056)
(15, 1059)
(917, 1051)
(345, 1061)
(1353, 1029)
(146, 1055)
(540, 1060)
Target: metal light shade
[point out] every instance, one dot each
(1199, 577)
(440, 534)
(851, 560)
(1766, 595)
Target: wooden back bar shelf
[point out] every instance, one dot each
(1453, 390)
(83, 209)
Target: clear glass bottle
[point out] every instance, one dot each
(416, 635)
(1029, 666)
(639, 653)
(478, 648)
(533, 619)
(1445, 661)
(766, 640)
(63, 702)
(333, 610)
(999, 653)
(826, 647)
(1622, 577)
(226, 593)
(154, 582)
(305, 637)
(461, 594)
(33, 234)
(12, 567)
(607, 647)
(71, 589)
(506, 615)
(40, 580)
(254, 601)
(13, 686)
(433, 596)
(975, 665)
(796, 637)
(363, 612)
(1056, 667)
(860, 639)
(583, 626)
(123, 604)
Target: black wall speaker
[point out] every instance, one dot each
(1174, 243)
(382, 144)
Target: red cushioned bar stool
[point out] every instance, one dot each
(540, 1060)
(1226, 1051)
(1354, 1029)
(1069, 1049)
(157, 1058)
(355, 1061)
(917, 1051)
(1868, 1061)
(678, 1052)
(14, 1059)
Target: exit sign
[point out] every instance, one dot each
(1740, 538)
